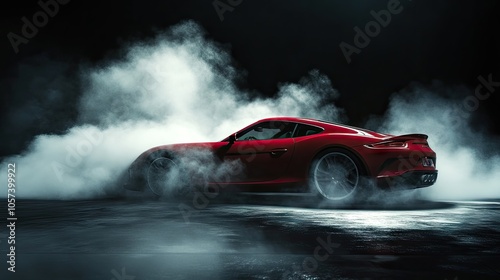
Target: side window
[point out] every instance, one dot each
(306, 130)
(268, 130)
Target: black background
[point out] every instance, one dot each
(271, 42)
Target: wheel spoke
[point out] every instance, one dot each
(344, 188)
(328, 163)
(159, 173)
(324, 179)
(324, 172)
(352, 168)
(336, 175)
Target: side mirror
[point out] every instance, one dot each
(232, 138)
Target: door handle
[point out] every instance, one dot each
(276, 152)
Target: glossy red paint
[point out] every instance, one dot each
(282, 162)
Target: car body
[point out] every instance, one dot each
(288, 154)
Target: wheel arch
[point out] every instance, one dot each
(319, 188)
(157, 154)
(358, 157)
(135, 177)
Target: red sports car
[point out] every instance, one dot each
(286, 154)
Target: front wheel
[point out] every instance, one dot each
(162, 176)
(335, 174)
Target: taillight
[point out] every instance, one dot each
(388, 144)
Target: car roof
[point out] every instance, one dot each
(321, 123)
(304, 120)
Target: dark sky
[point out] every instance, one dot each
(272, 41)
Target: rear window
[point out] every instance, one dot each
(306, 130)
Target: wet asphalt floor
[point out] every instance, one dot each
(253, 237)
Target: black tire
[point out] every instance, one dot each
(336, 174)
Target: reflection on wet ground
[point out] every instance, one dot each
(255, 237)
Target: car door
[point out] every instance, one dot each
(262, 160)
(264, 149)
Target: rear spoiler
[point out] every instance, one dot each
(408, 137)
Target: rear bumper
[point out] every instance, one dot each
(409, 180)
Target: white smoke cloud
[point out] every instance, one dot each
(179, 87)
(468, 160)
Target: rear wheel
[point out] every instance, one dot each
(335, 174)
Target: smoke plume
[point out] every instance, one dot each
(468, 159)
(182, 87)
(178, 87)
